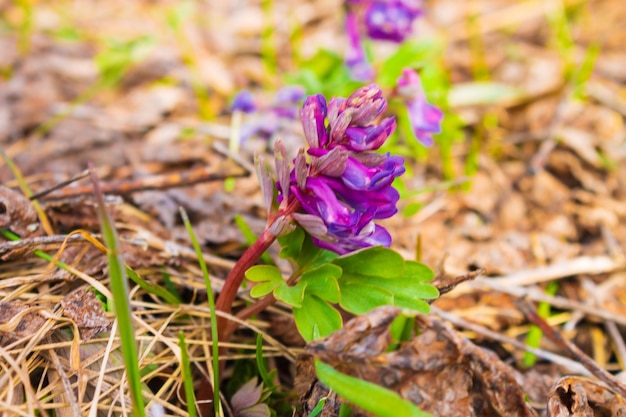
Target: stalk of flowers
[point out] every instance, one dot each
(343, 186)
(336, 189)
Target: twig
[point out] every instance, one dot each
(576, 266)
(559, 302)
(156, 182)
(549, 356)
(531, 314)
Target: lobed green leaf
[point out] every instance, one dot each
(316, 318)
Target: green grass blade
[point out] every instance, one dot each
(370, 397)
(187, 377)
(265, 376)
(119, 289)
(209, 290)
(318, 407)
(161, 292)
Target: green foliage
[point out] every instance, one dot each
(534, 336)
(358, 282)
(119, 56)
(120, 291)
(209, 290)
(270, 280)
(366, 395)
(187, 376)
(414, 54)
(325, 73)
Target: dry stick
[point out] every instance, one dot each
(559, 302)
(552, 357)
(570, 267)
(531, 314)
(157, 182)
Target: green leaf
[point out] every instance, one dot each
(366, 395)
(376, 261)
(292, 295)
(260, 273)
(322, 282)
(360, 297)
(361, 290)
(291, 244)
(268, 277)
(316, 318)
(408, 55)
(419, 272)
(298, 247)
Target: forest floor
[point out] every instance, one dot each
(532, 219)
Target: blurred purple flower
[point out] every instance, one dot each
(266, 122)
(244, 102)
(360, 68)
(425, 118)
(390, 20)
(344, 186)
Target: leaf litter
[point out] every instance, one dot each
(547, 203)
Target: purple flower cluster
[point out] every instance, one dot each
(342, 185)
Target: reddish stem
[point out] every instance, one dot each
(235, 277)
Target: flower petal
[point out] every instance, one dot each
(312, 117)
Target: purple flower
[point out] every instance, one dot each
(344, 186)
(425, 118)
(269, 121)
(390, 20)
(244, 102)
(360, 68)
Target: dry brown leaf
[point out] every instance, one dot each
(17, 321)
(440, 370)
(575, 396)
(85, 309)
(17, 213)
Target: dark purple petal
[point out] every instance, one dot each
(361, 177)
(379, 204)
(370, 138)
(320, 200)
(377, 236)
(312, 116)
(244, 102)
(389, 20)
(356, 60)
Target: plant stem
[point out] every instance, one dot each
(235, 277)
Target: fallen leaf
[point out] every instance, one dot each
(574, 396)
(439, 370)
